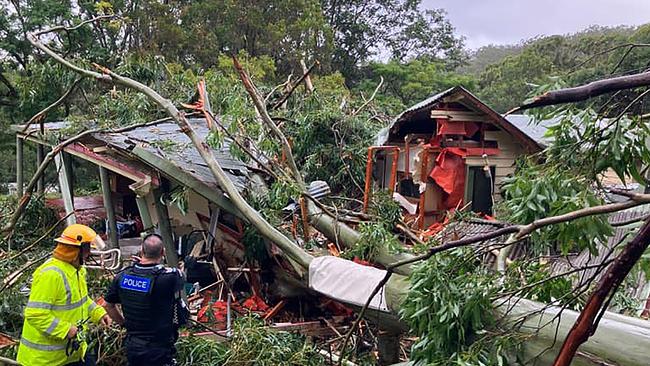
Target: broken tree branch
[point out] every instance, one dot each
(374, 93)
(40, 115)
(244, 148)
(268, 121)
(286, 95)
(13, 277)
(308, 84)
(630, 46)
(586, 324)
(583, 92)
(64, 28)
(45, 235)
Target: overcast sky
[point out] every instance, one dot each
(483, 22)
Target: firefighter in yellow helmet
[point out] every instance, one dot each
(59, 305)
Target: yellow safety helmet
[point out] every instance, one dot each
(77, 234)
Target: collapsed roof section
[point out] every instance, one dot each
(418, 118)
(144, 153)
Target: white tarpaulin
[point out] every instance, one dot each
(347, 281)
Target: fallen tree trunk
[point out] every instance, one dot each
(620, 340)
(584, 92)
(340, 233)
(587, 323)
(254, 218)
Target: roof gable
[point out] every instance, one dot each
(468, 99)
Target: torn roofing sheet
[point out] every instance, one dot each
(167, 141)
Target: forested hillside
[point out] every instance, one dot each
(568, 60)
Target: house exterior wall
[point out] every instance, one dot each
(504, 163)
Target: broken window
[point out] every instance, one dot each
(479, 188)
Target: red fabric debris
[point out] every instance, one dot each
(447, 127)
(449, 174)
(255, 303)
(216, 312)
(435, 228)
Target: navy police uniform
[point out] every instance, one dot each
(150, 296)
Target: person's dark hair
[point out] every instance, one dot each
(152, 246)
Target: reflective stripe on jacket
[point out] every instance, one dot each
(57, 301)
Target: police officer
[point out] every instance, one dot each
(152, 306)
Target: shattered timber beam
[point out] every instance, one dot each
(20, 179)
(108, 206)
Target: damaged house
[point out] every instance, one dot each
(153, 179)
(446, 152)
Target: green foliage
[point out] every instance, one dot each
(378, 234)
(374, 237)
(589, 145)
(385, 208)
(488, 55)
(200, 351)
(36, 220)
(362, 28)
(408, 83)
(36, 215)
(584, 147)
(505, 84)
(254, 244)
(329, 143)
(282, 193)
(449, 309)
(252, 344)
(521, 273)
(180, 197)
(535, 192)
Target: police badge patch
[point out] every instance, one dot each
(135, 283)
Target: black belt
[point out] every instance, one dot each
(147, 340)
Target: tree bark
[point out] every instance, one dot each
(586, 324)
(583, 92)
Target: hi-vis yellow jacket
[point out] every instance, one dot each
(58, 300)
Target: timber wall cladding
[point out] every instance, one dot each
(504, 163)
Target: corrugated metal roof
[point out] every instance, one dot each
(519, 128)
(384, 133)
(527, 125)
(181, 151)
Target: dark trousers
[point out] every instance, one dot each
(145, 351)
